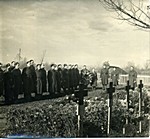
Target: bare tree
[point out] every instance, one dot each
(135, 12)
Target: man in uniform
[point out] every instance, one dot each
(8, 85)
(44, 81)
(115, 77)
(59, 82)
(65, 78)
(33, 76)
(104, 75)
(17, 81)
(27, 81)
(76, 76)
(94, 79)
(39, 81)
(1, 80)
(51, 80)
(70, 74)
(132, 77)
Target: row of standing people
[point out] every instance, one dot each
(114, 75)
(36, 80)
(14, 82)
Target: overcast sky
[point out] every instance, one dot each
(71, 31)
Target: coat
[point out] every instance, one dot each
(104, 75)
(39, 81)
(33, 73)
(115, 77)
(52, 82)
(27, 82)
(94, 79)
(8, 86)
(44, 81)
(76, 77)
(132, 78)
(65, 78)
(70, 74)
(17, 82)
(1, 82)
(59, 79)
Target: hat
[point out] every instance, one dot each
(52, 65)
(38, 65)
(28, 62)
(17, 63)
(7, 65)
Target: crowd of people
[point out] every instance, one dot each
(59, 79)
(35, 79)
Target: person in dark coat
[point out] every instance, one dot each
(51, 80)
(132, 78)
(115, 76)
(56, 74)
(17, 81)
(73, 76)
(94, 79)
(59, 80)
(70, 76)
(39, 81)
(33, 76)
(1, 81)
(65, 78)
(44, 81)
(27, 82)
(8, 85)
(104, 75)
(76, 76)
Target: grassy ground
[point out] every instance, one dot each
(94, 95)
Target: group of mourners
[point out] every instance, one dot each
(35, 79)
(59, 79)
(105, 75)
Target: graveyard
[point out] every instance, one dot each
(59, 117)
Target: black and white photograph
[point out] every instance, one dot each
(74, 68)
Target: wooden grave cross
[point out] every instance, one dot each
(140, 105)
(80, 94)
(110, 91)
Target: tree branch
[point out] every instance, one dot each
(135, 15)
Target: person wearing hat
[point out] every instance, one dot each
(93, 79)
(115, 76)
(8, 85)
(17, 81)
(39, 81)
(51, 80)
(70, 83)
(1, 80)
(27, 81)
(33, 76)
(59, 80)
(104, 75)
(76, 76)
(132, 77)
(44, 81)
(65, 78)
